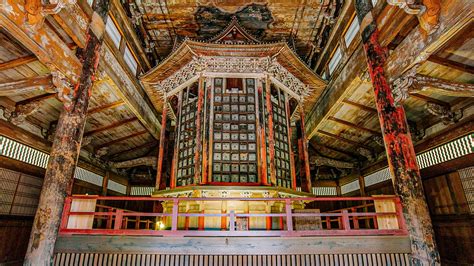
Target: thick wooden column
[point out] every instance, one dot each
(262, 143)
(398, 144)
(271, 135)
(66, 145)
(161, 149)
(199, 123)
(305, 170)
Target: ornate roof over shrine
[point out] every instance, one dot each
(234, 51)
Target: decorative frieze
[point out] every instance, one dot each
(238, 65)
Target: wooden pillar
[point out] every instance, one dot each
(161, 150)
(105, 183)
(271, 137)
(398, 144)
(262, 142)
(306, 185)
(177, 131)
(290, 146)
(66, 146)
(199, 112)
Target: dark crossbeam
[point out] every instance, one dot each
(64, 154)
(115, 141)
(17, 62)
(451, 64)
(355, 143)
(105, 107)
(111, 126)
(134, 149)
(399, 146)
(349, 124)
(26, 85)
(360, 106)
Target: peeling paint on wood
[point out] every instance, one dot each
(64, 154)
(399, 146)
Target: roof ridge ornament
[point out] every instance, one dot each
(234, 33)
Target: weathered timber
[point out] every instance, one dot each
(321, 160)
(360, 106)
(111, 126)
(39, 83)
(271, 134)
(150, 144)
(411, 83)
(42, 41)
(105, 107)
(305, 171)
(347, 78)
(148, 161)
(452, 20)
(66, 146)
(235, 245)
(199, 123)
(399, 146)
(349, 124)
(17, 62)
(133, 135)
(451, 64)
(161, 148)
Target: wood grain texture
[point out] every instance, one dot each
(233, 245)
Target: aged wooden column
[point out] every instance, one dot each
(305, 172)
(271, 135)
(199, 112)
(398, 145)
(66, 146)
(161, 149)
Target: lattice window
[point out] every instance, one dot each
(19, 193)
(117, 187)
(141, 191)
(350, 187)
(377, 177)
(467, 180)
(449, 151)
(88, 176)
(324, 191)
(15, 150)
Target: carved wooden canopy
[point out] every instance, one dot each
(233, 52)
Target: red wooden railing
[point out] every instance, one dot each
(342, 222)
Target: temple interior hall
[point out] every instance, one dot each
(237, 132)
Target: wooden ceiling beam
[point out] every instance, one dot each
(39, 98)
(352, 125)
(26, 85)
(360, 106)
(355, 143)
(325, 149)
(107, 144)
(111, 126)
(47, 46)
(134, 149)
(428, 99)
(105, 107)
(17, 62)
(451, 64)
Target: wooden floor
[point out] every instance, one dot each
(220, 251)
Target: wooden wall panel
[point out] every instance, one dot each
(14, 233)
(231, 260)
